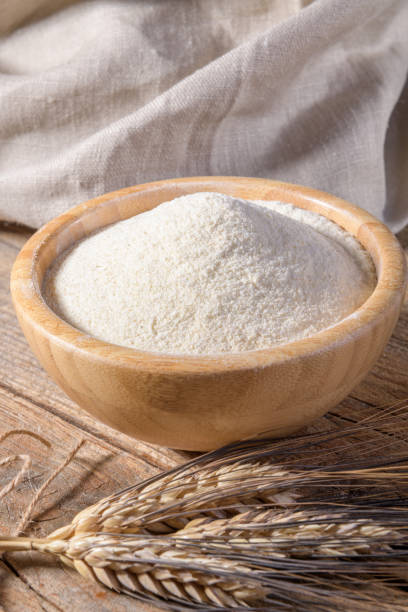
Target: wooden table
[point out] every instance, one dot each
(106, 462)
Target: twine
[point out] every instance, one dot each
(26, 459)
(27, 462)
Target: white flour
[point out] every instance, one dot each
(207, 273)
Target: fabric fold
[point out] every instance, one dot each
(100, 95)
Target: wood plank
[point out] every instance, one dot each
(21, 372)
(96, 471)
(106, 463)
(108, 460)
(15, 595)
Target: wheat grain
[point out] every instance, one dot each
(166, 504)
(213, 572)
(154, 565)
(241, 476)
(252, 526)
(295, 534)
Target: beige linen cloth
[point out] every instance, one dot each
(103, 94)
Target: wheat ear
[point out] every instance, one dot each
(164, 505)
(260, 525)
(221, 574)
(244, 475)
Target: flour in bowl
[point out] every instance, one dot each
(208, 273)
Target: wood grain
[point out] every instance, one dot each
(107, 462)
(29, 398)
(199, 403)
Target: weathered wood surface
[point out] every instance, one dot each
(108, 460)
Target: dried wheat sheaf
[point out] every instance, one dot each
(258, 525)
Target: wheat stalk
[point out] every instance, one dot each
(166, 504)
(234, 479)
(259, 525)
(169, 502)
(257, 559)
(154, 565)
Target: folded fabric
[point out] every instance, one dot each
(99, 95)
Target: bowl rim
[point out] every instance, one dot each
(389, 290)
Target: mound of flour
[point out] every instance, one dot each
(207, 273)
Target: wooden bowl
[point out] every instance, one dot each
(199, 403)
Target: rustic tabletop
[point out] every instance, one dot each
(106, 462)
